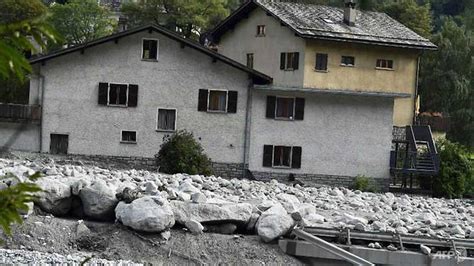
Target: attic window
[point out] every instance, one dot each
(260, 30)
(150, 49)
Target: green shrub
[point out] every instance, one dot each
(13, 199)
(364, 183)
(455, 177)
(181, 153)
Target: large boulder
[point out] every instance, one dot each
(208, 212)
(274, 223)
(147, 214)
(55, 197)
(99, 200)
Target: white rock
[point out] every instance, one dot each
(289, 202)
(360, 227)
(351, 219)
(188, 188)
(425, 250)
(166, 235)
(194, 226)
(55, 197)
(198, 198)
(99, 200)
(151, 188)
(148, 214)
(313, 220)
(208, 212)
(274, 223)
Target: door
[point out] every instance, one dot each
(59, 144)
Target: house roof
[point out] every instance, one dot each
(258, 77)
(325, 22)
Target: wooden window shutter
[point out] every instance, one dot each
(232, 102)
(271, 101)
(103, 91)
(296, 60)
(296, 157)
(202, 100)
(299, 108)
(325, 62)
(132, 95)
(267, 156)
(282, 60)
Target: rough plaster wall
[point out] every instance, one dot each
(20, 137)
(339, 135)
(237, 43)
(71, 95)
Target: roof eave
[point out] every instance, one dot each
(341, 92)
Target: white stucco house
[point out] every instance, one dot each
(119, 96)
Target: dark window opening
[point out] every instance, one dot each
(260, 30)
(166, 119)
(321, 62)
(150, 49)
(348, 61)
(217, 101)
(118, 94)
(385, 63)
(250, 60)
(284, 107)
(282, 156)
(129, 136)
(289, 61)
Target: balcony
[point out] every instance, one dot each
(20, 113)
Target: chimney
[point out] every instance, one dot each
(350, 12)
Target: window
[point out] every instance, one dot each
(287, 108)
(284, 107)
(150, 49)
(289, 61)
(217, 101)
(347, 61)
(115, 94)
(282, 156)
(384, 64)
(220, 101)
(129, 136)
(321, 62)
(250, 60)
(118, 94)
(166, 119)
(260, 30)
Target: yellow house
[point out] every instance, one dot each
(314, 47)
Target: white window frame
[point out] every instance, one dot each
(108, 95)
(385, 68)
(226, 101)
(276, 107)
(128, 142)
(175, 119)
(279, 166)
(157, 49)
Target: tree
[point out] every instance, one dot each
(80, 21)
(445, 80)
(22, 28)
(409, 13)
(189, 18)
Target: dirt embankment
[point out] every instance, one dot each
(115, 242)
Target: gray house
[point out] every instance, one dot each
(119, 96)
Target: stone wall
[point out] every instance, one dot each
(316, 180)
(229, 170)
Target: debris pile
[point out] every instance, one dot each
(153, 202)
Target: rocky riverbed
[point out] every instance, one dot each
(152, 202)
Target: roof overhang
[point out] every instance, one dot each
(258, 77)
(341, 92)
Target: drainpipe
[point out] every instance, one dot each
(41, 87)
(416, 86)
(248, 120)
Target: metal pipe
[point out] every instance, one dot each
(331, 248)
(248, 120)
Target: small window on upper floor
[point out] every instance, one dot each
(348, 61)
(250, 60)
(384, 64)
(150, 49)
(129, 137)
(321, 62)
(260, 30)
(289, 61)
